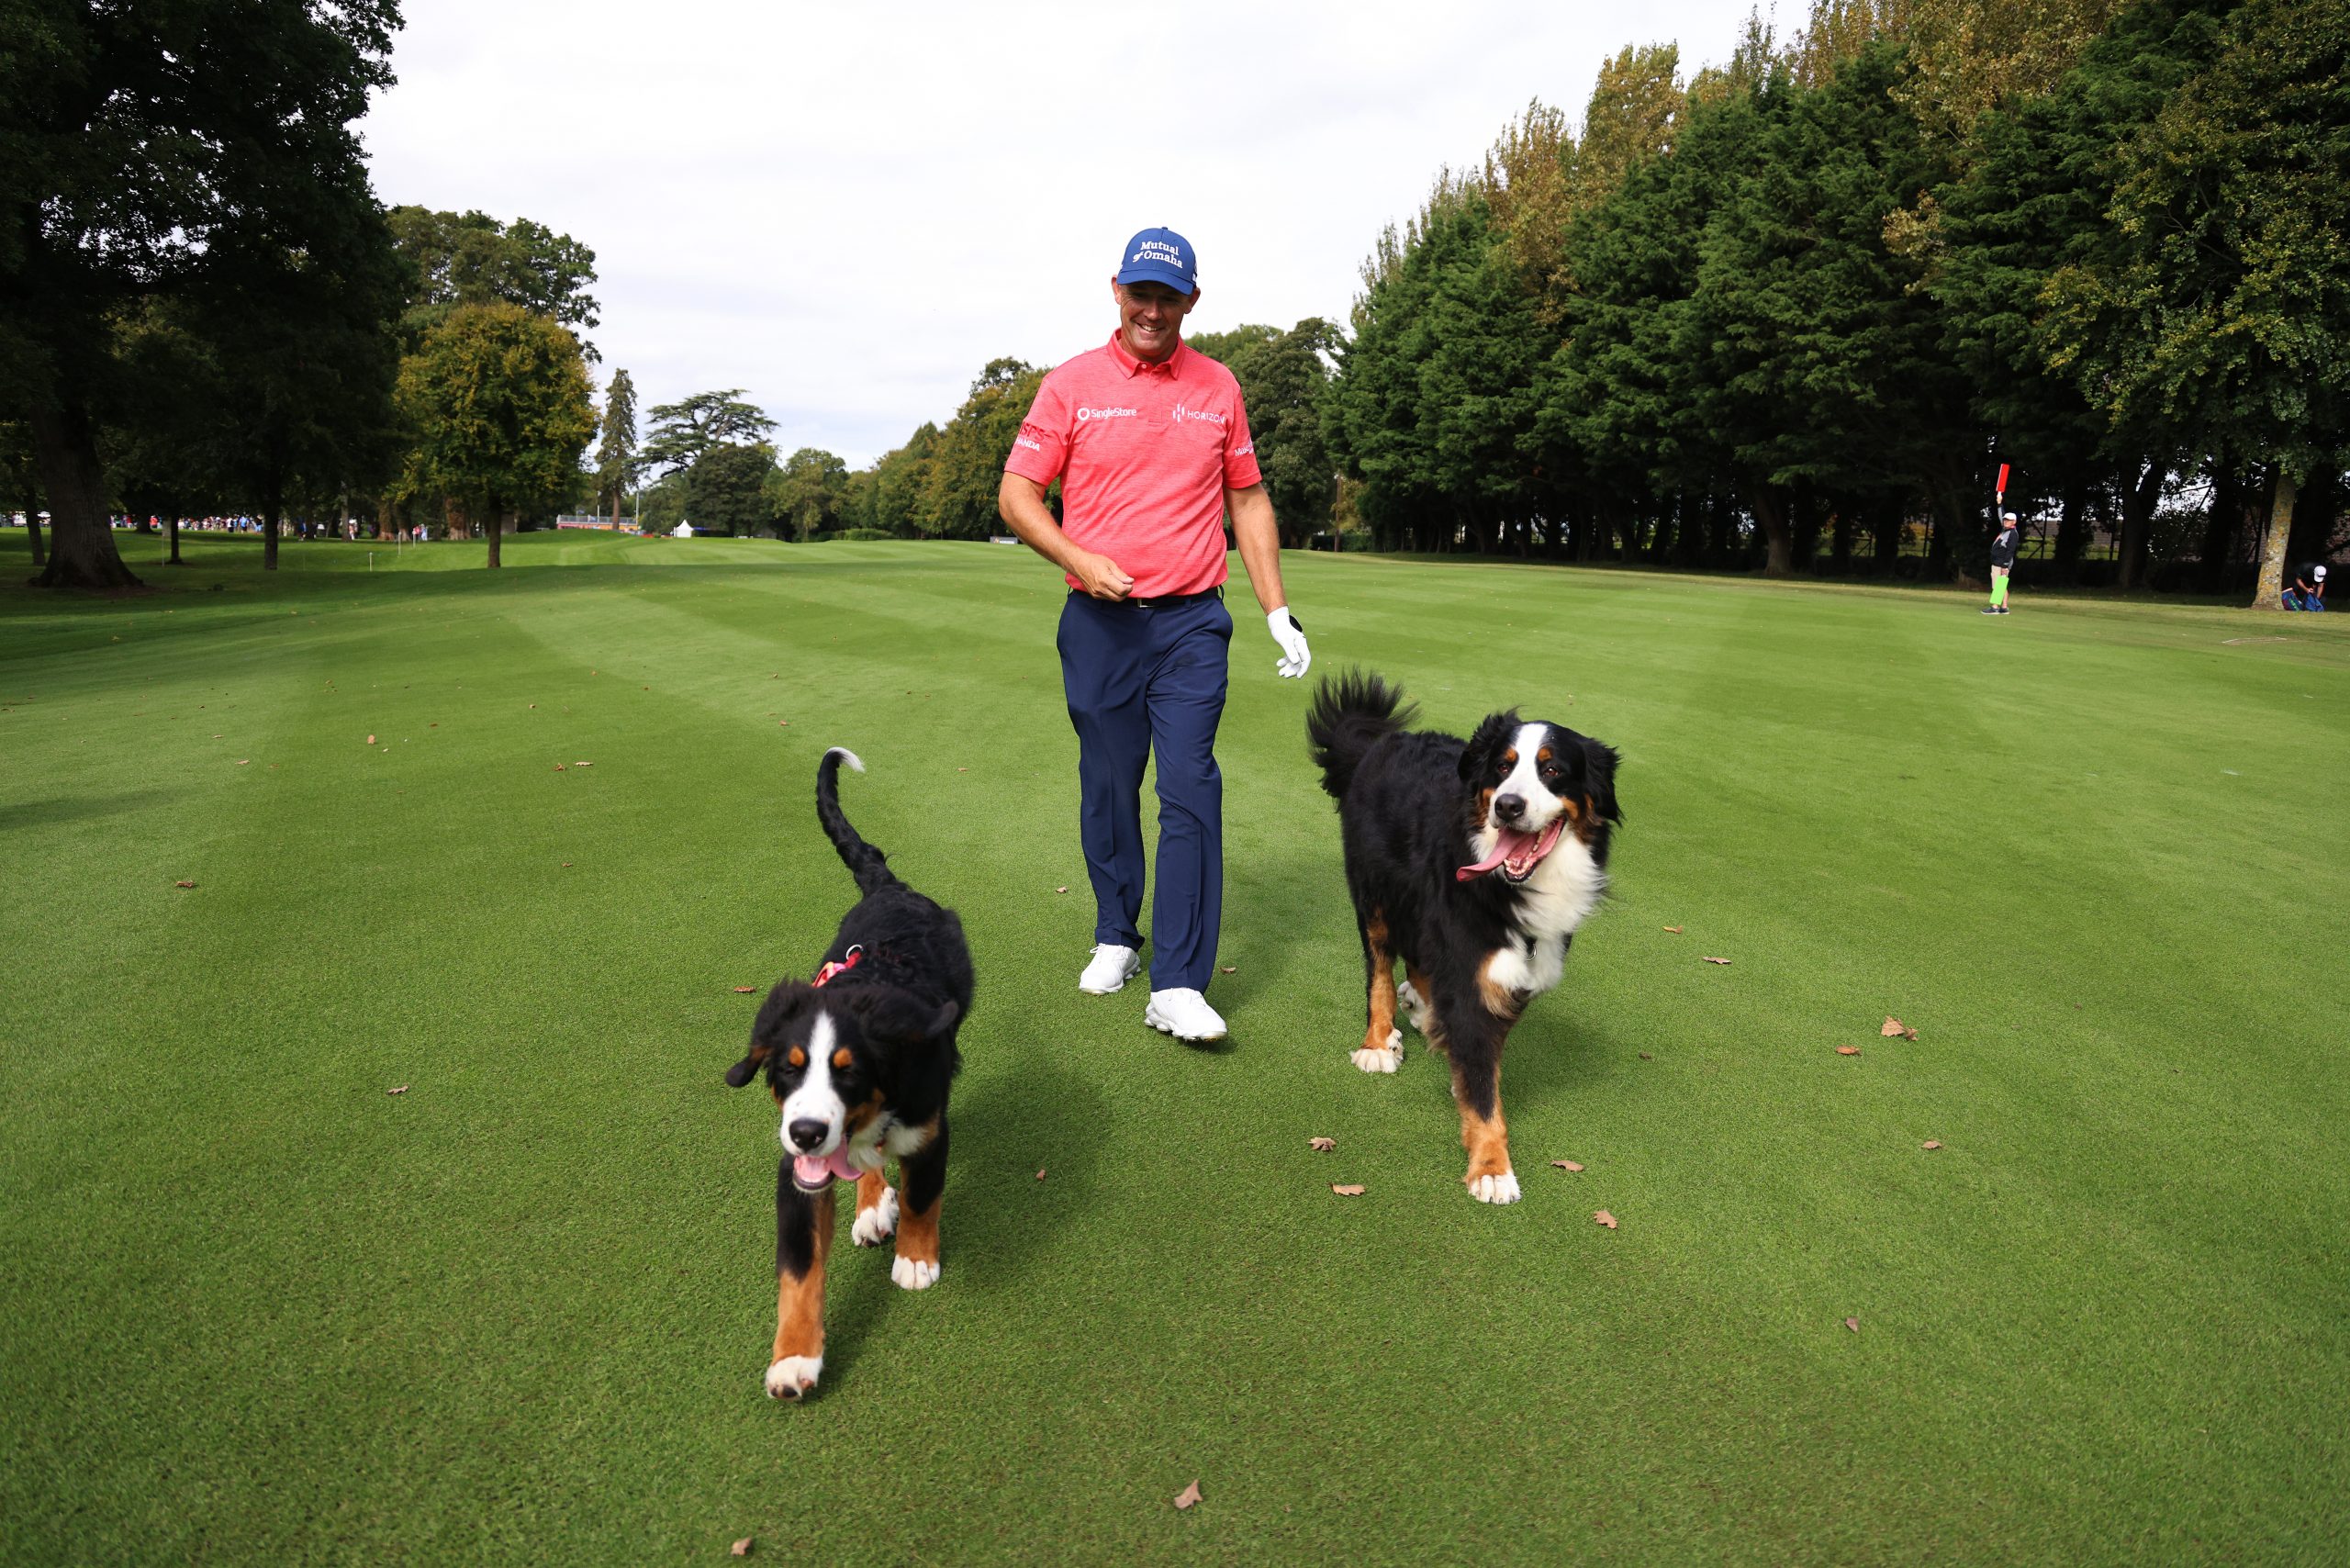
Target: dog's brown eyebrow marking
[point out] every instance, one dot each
(1509, 757)
(1542, 756)
(797, 1057)
(841, 1057)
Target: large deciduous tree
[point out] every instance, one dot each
(809, 491)
(727, 488)
(966, 468)
(473, 258)
(498, 399)
(146, 153)
(2216, 305)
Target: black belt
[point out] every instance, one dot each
(1164, 601)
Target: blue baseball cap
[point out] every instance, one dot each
(1160, 255)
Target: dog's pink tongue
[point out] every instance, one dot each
(1506, 844)
(814, 1170)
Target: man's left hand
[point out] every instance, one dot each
(1292, 638)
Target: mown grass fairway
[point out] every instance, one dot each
(255, 1309)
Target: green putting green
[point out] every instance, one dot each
(377, 1197)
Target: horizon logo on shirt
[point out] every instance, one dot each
(1183, 413)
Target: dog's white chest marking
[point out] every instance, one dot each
(1557, 899)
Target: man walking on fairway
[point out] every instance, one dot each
(2003, 561)
(1152, 444)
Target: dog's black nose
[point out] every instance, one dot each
(1508, 808)
(808, 1135)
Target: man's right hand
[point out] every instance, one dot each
(1101, 575)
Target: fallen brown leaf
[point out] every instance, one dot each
(744, 990)
(1854, 1324)
(183, 884)
(1060, 890)
(566, 863)
(434, 726)
(1347, 1190)
(1677, 930)
(1566, 1165)
(1717, 960)
(401, 1089)
(1604, 1218)
(1894, 1026)
(371, 740)
(1931, 1143)
(962, 771)
(244, 762)
(558, 767)
(1848, 1050)
(1188, 1496)
(534, 704)
(742, 1547)
(1645, 1057)
(1322, 1144)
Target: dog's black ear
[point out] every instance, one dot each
(1483, 753)
(890, 1014)
(1599, 760)
(783, 1004)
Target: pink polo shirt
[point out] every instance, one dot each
(1144, 453)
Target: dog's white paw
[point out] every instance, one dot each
(1386, 1058)
(1416, 1006)
(913, 1275)
(793, 1376)
(1501, 1189)
(874, 1225)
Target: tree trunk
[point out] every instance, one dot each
(2270, 595)
(1884, 535)
(82, 550)
(273, 505)
(2137, 523)
(1771, 512)
(495, 528)
(172, 529)
(2219, 528)
(32, 532)
(2072, 526)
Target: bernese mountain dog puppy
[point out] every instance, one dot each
(1473, 861)
(859, 1060)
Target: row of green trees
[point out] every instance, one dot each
(205, 309)
(1797, 312)
(1825, 290)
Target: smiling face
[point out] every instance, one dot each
(1530, 782)
(1150, 318)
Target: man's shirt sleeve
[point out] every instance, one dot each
(1239, 448)
(1041, 449)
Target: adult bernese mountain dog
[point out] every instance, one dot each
(860, 1059)
(1474, 861)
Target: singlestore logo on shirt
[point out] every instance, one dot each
(1084, 414)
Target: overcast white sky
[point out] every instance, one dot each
(848, 210)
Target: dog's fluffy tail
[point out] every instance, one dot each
(867, 864)
(1350, 715)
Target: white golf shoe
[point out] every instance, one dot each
(1111, 969)
(1185, 1013)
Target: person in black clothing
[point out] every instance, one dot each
(2003, 561)
(2307, 590)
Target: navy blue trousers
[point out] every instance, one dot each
(1142, 680)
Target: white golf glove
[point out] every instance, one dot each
(1291, 638)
